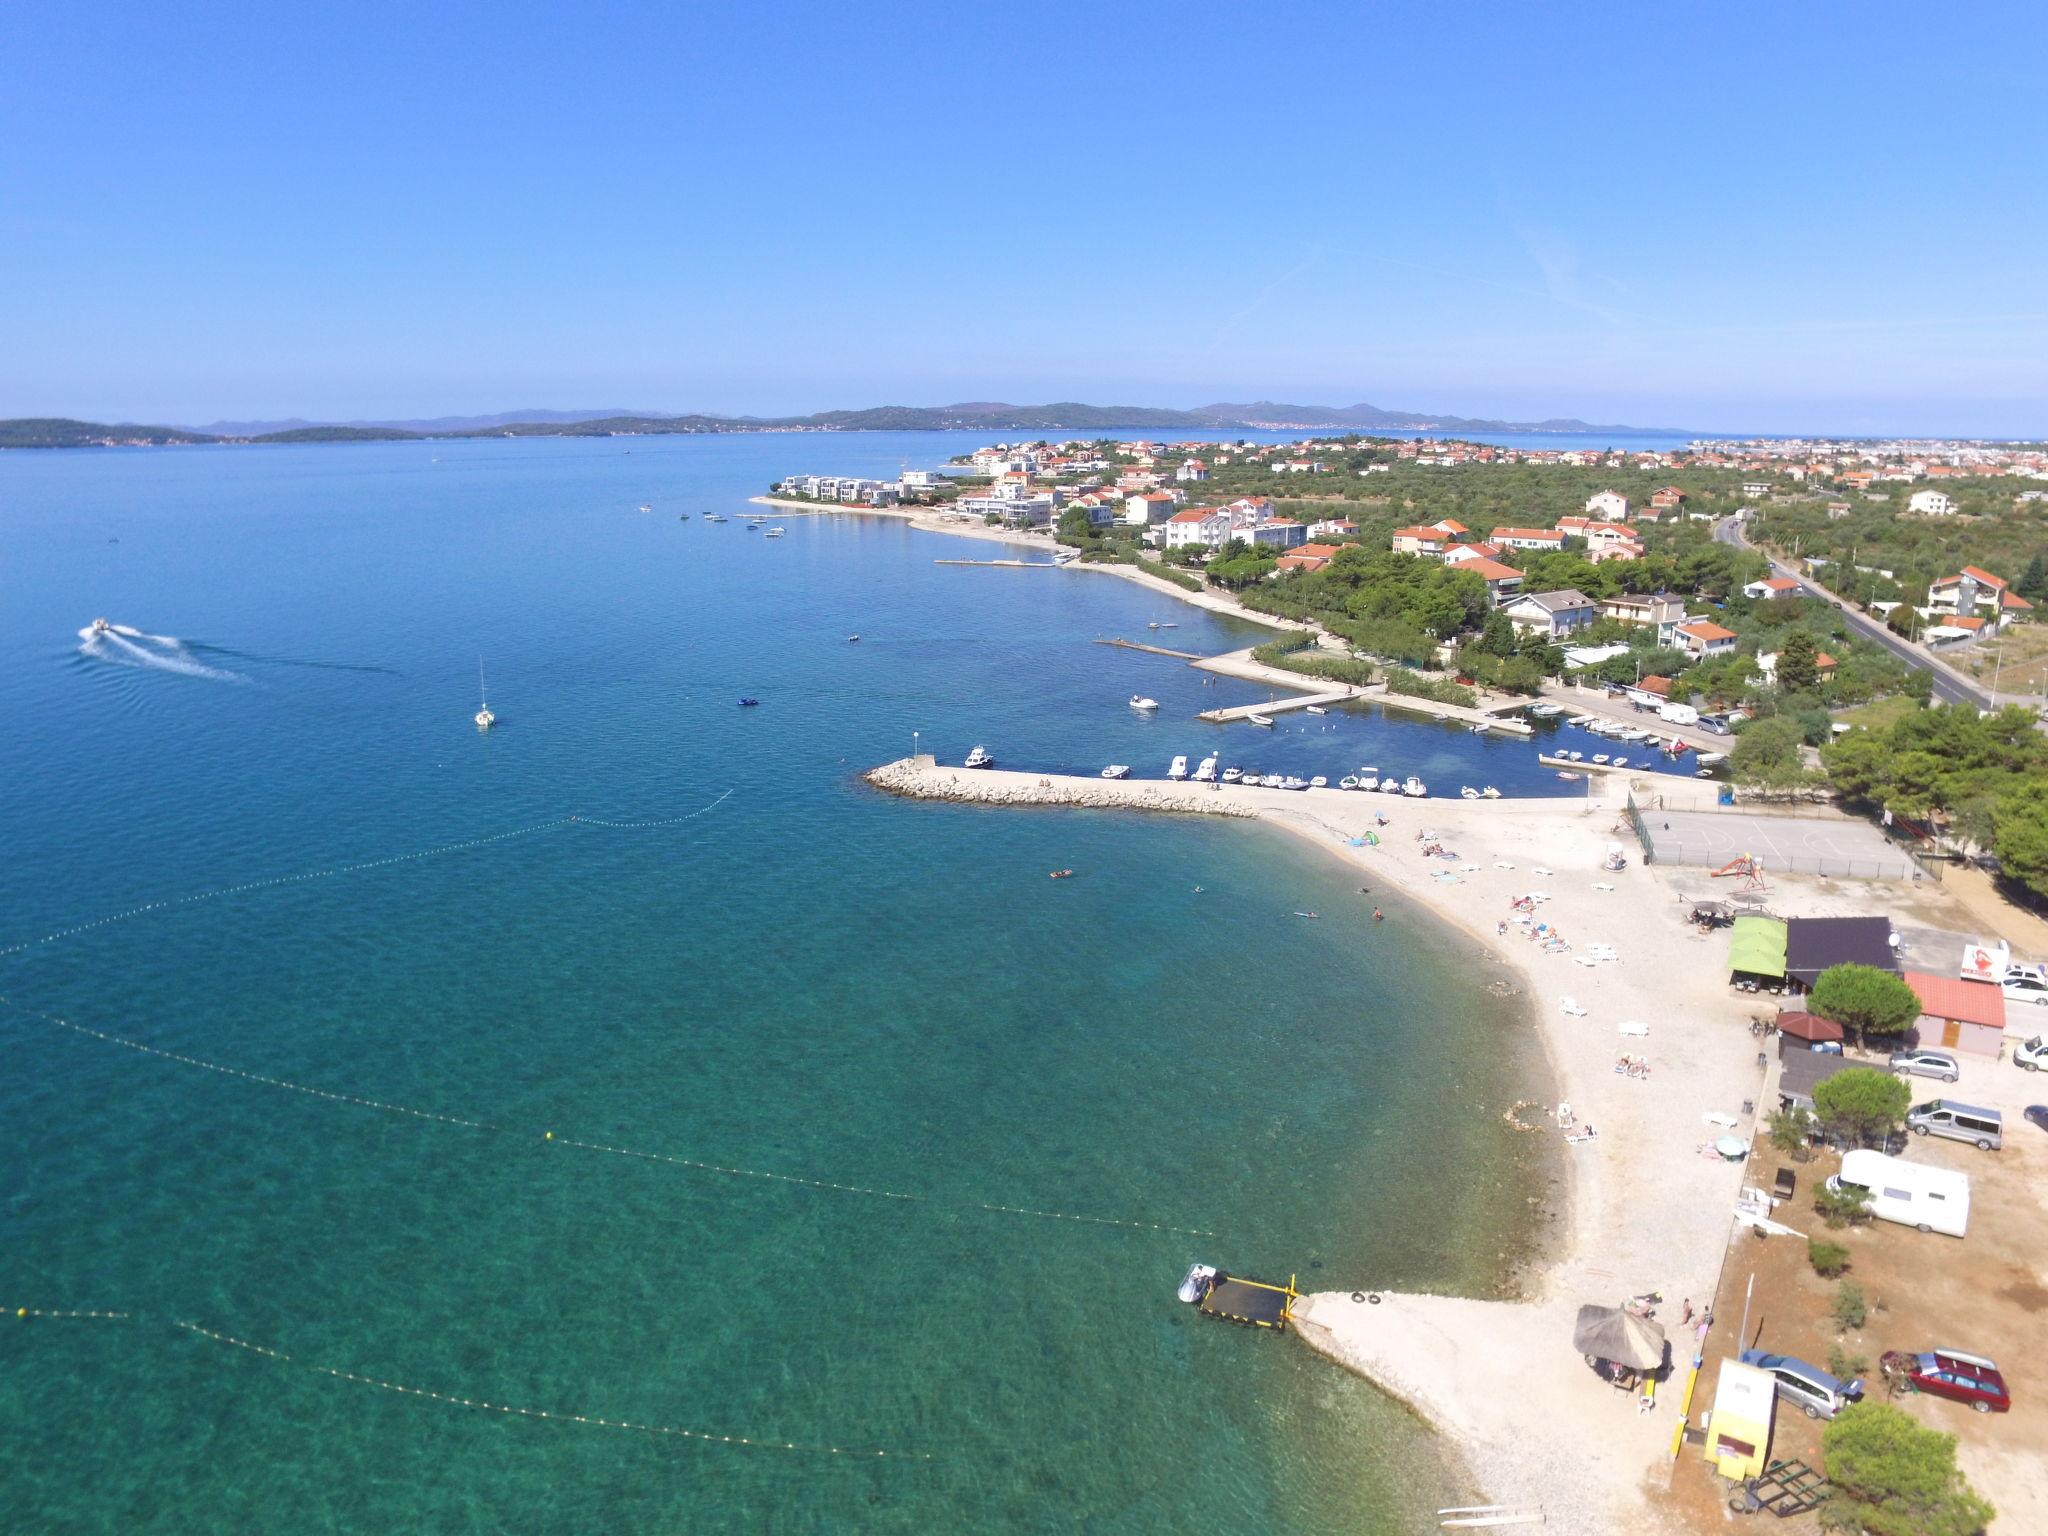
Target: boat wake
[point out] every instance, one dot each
(121, 646)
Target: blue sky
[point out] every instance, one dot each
(1762, 217)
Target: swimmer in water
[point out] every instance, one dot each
(1378, 916)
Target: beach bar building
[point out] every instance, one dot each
(1756, 947)
(1959, 1015)
(1813, 944)
(1739, 1423)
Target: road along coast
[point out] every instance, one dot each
(1646, 1211)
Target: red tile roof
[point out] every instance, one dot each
(1192, 515)
(1528, 533)
(1706, 631)
(1491, 570)
(1661, 686)
(1984, 578)
(1951, 997)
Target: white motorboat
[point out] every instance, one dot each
(1205, 770)
(1199, 1278)
(484, 718)
(1273, 781)
(1390, 785)
(1546, 710)
(772, 533)
(1439, 717)
(1414, 787)
(716, 517)
(853, 639)
(1349, 781)
(1139, 701)
(1481, 727)
(100, 626)
(1265, 720)
(1151, 626)
(1467, 792)
(1368, 783)
(1289, 781)
(1619, 762)
(1117, 771)
(1315, 709)
(1169, 626)
(1232, 774)
(1576, 756)
(1599, 757)
(980, 757)
(1179, 770)
(645, 507)
(1569, 778)
(1489, 793)
(1711, 759)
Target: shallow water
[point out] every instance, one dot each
(806, 980)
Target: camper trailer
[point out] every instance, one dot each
(1912, 1194)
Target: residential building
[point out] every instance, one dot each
(1976, 591)
(1609, 506)
(1553, 614)
(1191, 470)
(1931, 503)
(1433, 540)
(1663, 611)
(1502, 581)
(1027, 511)
(1279, 532)
(1309, 557)
(1704, 640)
(1458, 554)
(1526, 538)
(1206, 527)
(1333, 528)
(1149, 507)
(1823, 663)
(1756, 487)
(1771, 587)
(1668, 498)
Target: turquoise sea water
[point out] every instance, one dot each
(806, 980)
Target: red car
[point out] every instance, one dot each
(1968, 1379)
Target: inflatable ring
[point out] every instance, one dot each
(1358, 1295)
(1374, 1298)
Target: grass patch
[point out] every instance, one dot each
(1880, 714)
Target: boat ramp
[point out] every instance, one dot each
(1156, 650)
(1278, 706)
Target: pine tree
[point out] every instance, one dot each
(2033, 586)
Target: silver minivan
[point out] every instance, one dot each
(1982, 1128)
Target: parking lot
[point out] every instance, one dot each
(1828, 846)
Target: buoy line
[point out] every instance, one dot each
(754, 1442)
(594, 1421)
(303, 877)
(548, 1137)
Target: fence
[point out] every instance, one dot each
(1635, 820)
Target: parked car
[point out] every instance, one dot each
(2026, 984)
(2031, 1055)
(1982, 1128)
(2036, 1115)
(1813, 1390)
(1926, 1064)
(1951, 1373)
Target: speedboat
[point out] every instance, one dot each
(1414, 787)
(1576, 756)
(1481, 727)
(716, 517)
(1489, 793)
(100, 626)
(1619, 762)
(1152, 626)
(1199, 1278)
(853, 639)
(1205, 770)
(749, 703)
(1569, 778)
(1349, 781)
(1138, 701)
(772, 533)
(682, 517)
(1315, 709)
(1179, 770)
(484, 718)
(1467, 792)
(1117, 771)
(1368, 783)
(645, 507)
(1710, 759)
(1439, 717)
(1265, 720)
(1232, 774)
(980, 757)
(1291, 782)
(1599, 757)
(1273, 781)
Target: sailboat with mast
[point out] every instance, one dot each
(484, 718)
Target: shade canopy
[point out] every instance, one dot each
(1756, 945)
(1609, 1333)
(1807, 1026)
(1812, 944)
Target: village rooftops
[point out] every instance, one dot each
(1564, 600)
(1703, 629)
(1490, 570)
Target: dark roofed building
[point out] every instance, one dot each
(1812, 944)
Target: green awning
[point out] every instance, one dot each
(1757, 945)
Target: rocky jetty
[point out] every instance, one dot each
(921, 778)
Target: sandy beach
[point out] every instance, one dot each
(1647, 1211)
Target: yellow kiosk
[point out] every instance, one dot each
(1739, 1424)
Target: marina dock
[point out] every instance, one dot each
(1050, 565)
(1278, 706)
(1487, 716)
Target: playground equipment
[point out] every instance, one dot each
(1746, 867)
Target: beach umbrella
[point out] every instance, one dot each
(1731, 1147)
(1609, 1333)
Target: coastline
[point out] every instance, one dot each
(1641, 1210)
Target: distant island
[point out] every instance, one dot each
(977, 416)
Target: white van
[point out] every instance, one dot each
(1912, 1194)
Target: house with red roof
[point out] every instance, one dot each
(1703, 640)
(1503, 582)
(1975, 591)
(1959, 1014)
(1772, 587)
(1309, 557)
(1527, 538)
(1432, 540)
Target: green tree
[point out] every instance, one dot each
(2020, 834)
(1860, 765)
(1850, 1309)
(1767, 753)
(1828, 1259)
(1498, 637)
(1862, 1103)
(1892, 1477)
(1075, 528)
(1788, 1130)
(1864, 998)
(2033, 582)
(1798, 667)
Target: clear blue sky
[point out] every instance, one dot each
(1803, 217)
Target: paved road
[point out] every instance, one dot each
(1948, 687)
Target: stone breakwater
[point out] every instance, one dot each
(920, 778)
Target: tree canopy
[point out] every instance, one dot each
(1893, 1477)
(1864, 998)
(1862, 1103)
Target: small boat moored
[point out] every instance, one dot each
(1178, 769)
(1232, 774)
(1414, 787)
(1264, 720)
(1252, 1303)
(1205, 770)
(980, 757)
(1117, 771)
(1489, 793)
(1467, 792)
(1315, 709)
(1139, 701)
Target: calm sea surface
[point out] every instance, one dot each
(689, 1049)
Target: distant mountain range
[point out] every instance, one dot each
(975, 415)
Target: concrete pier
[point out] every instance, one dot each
(1279, 706)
